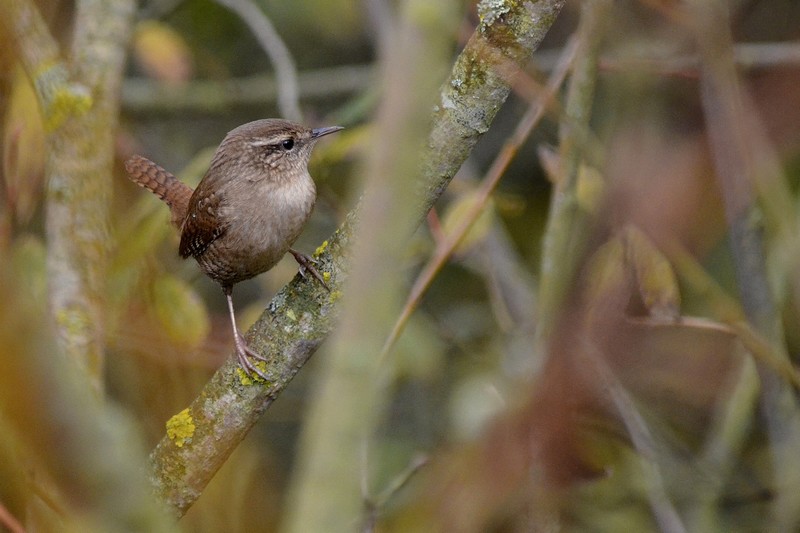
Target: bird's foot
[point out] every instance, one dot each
(245, 356)
(307, 265)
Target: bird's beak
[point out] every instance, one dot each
(316, 133)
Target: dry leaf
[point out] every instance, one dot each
(655, 279)
(23, 149)
(162, 53)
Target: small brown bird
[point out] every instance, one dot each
(247, 210)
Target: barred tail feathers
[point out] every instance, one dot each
(163, 184)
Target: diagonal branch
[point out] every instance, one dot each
(301, 315)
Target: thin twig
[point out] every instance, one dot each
(148, 95)
(643, 441)
(143, 95)
(276, 49)
(373, 506)
(746, 56)
(728, 311)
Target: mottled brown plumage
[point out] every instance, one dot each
(248, 209)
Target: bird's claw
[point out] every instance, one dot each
(245, 355)
(307, 265)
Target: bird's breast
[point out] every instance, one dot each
(258, 236)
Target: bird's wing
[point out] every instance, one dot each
(203, 224)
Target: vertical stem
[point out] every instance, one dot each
(327, 494)
(733, 160)
(79, 164)
(566, 223)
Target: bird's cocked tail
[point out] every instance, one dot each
(163, 184)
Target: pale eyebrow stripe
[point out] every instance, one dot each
(263, 142)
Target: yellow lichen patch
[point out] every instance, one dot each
(244, 377)
(247, 379)
(291, 316)
(180, 428)
(67, 101)
(326, 276)
(335, 295)
(321, 248)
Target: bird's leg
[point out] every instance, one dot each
(243, 352)
(307, 265)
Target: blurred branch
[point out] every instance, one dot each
(59, 414)
(723, 102)
(301, 315)
(285, 71)
(38, 53)
(381, 21)
(8, 521)
(748, 56)
(81, 457)
(142, 95)
(566, 222)
(79, 161)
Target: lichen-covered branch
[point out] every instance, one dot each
(479, 85)
(295, 323)
(302, 314)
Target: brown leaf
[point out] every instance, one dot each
(655, 279)
(162, 53)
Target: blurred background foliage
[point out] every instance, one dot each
(516, 439)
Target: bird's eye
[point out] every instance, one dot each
(288, 144)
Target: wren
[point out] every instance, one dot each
(248, 209)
